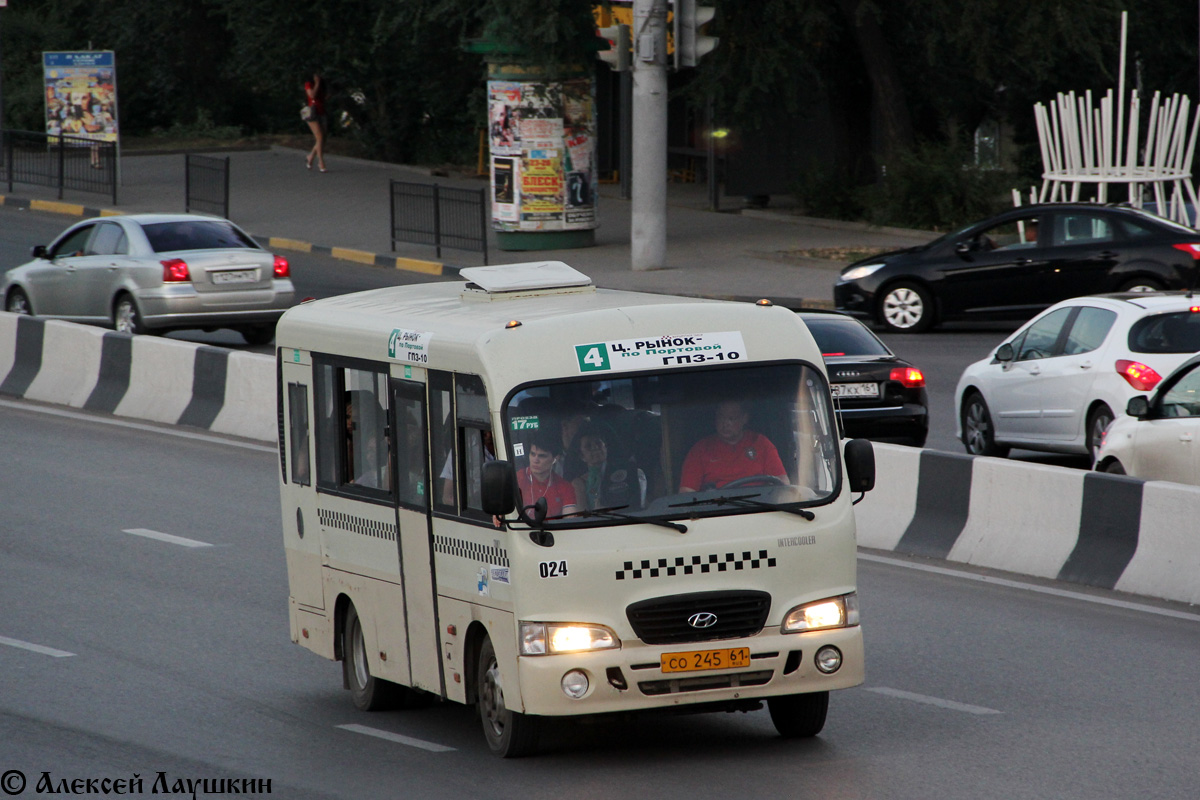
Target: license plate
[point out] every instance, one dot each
(855, 389)
(732, 658)
(235, 276)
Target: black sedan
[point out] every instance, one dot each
(877, 395)
(1018, 263)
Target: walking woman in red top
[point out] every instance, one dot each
(314, 89)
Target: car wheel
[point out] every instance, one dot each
(368, 692)
(508, 734)
(1113, 467)
(126, 317)
(258, 335)
(1141, 285)
(18, 303)
(1100, 418)
(978, 434)
(906, 308)
(799, 715)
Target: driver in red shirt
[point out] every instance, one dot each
(539, 480)
(731, 454)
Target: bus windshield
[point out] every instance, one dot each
(676, 444)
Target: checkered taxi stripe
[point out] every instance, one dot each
(696, 565)
(348, 522)
(472, 551)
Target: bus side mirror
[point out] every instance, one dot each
(499, 488)
(860, 465)
(1138, 407)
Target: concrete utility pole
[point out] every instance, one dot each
(649, 225)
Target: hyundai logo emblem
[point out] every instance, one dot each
(703, 619)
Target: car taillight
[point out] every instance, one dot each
(1138, 375)
(175, 270)
(1192, 250)
(282, 268)
(908, 377)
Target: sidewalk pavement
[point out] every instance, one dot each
(345, 212)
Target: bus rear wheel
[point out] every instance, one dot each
(508, 734)
(368, 692)
(799, 716)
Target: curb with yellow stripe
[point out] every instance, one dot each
(272, 242)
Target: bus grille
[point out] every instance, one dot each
(664, 620)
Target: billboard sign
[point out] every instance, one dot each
(81, 94)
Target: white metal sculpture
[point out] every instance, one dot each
(1083, 143)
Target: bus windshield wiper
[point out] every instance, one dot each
(612, 513)
(745, 501)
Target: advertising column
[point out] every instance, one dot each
(542, 137)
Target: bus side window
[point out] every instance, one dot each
(353, 451)
(478, 448)
(410, 453)
(330, 436)
(298, 433)
(441, 418)
(473, 423)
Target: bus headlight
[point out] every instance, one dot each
(834, 612)
(547, 638)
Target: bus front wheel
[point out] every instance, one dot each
(799, 715)
(508, 733)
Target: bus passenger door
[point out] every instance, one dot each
(415, 542)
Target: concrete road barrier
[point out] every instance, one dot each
(1109, 531)
(141, 377)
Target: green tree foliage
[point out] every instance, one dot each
(543, 33)
(894, 78)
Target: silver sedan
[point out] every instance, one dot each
(153, 273)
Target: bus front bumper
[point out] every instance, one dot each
(632, 678)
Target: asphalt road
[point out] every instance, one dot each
(941, 354)
(123, 652)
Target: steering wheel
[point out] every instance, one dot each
(756, 480)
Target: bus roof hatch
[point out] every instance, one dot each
(521, 280)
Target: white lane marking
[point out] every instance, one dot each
(121, 423)
(398, 738)
(36, 648)
(166, 537)
(933, 701)
(1031, 587)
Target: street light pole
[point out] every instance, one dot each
(648, 237)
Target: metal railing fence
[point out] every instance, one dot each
(441, 216)
(206, 184)
(59, 162)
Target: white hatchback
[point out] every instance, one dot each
(1058, 382)
(1159, 440)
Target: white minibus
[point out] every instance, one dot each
(546, 499)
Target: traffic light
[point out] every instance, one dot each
(690, 44)
(620, 51)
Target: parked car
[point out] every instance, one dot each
(1017, 263)
(877, 394)
(1160, 437)
(1058, 382)
(153, 273)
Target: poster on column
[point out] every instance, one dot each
(81, 94)
(542, 140)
